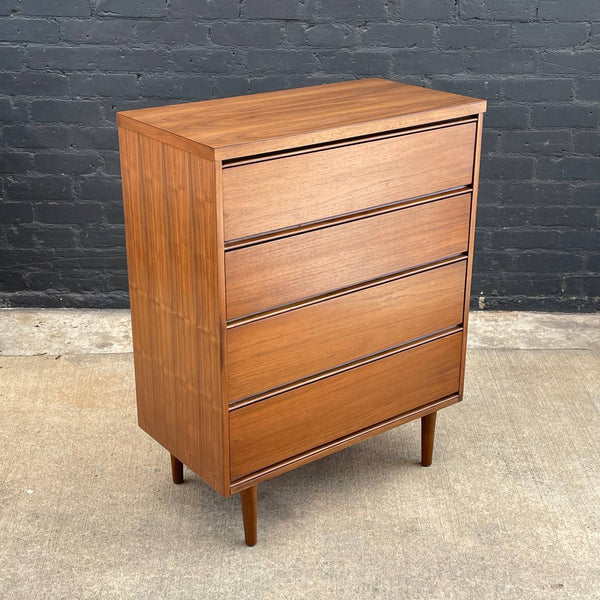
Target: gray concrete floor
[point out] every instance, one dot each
(509, 509)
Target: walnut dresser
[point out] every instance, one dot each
(299, 270)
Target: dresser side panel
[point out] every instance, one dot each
(173, 252)
(476, 164)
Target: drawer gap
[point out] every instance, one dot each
(352, 141)
(364, 360)
(340, 443)
(277, 234)
(237, 322)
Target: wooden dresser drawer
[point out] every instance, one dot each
(277, 428)
(274, 273)
(285, 192)
(274, 351)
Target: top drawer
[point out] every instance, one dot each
(287, 192)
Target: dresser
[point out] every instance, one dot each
(299, 270)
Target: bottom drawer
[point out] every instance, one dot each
(283, 426)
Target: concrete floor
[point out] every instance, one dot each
(509, 509)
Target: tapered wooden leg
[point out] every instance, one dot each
(427, 436)
(176, 470)
(249, 498)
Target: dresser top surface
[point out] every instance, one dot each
(258, 123)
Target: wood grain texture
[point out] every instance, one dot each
(286, 425)
(287, 192)
(270, 274)
(427, 438)
(295, 344)
(254, 124)
(173, 244)
(249, 501)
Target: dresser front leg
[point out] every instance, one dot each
(427, 436)
(249, 498)
(176, 470)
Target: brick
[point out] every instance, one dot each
(571, 167)
(538, 193)
(66, 163)
(567, 115)
(272, 9)
(512, 62)
(30, 84)
(8, 7)
(579, 10)
(127, 8)
(114, 85)
(329, 35)
(15, 212)
(480, 87)
(102, 138)
(588, 89)
(28, 30)
(133, 59)
(513, 116)
(549, 35)
(171, 33)
(399, 35)
(39, 187)
(15, 162)
(111, 165)
(20, 237)
(190, 87)
(97, 31)
(587, 193)
(357, 9)
(536, 142)
(526, 239)
(586, 142)
(67, 111)
(204, 60)
(474, 36)
(101, 189)
(57, 237)
(564, 216)
(546, 262)
(424, 10)
(490, 141)
(34, 136)
(539, 90)
(108, 236)
(52, 8)
(428, 62)
(63, 58)
(357, 63)
(113, 212)
(234, 85)
(63, 212)
(281, 61)
(11, 57)
(568, 61)
(507, 167)
(12, 110)
(503, 10)
(576, 239)
(246, 34)
(205, 9)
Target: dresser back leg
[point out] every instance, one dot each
(249, 499)
(176, 470)
(427, 437)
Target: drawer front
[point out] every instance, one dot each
(277, 350)
(274, 273)
(277, 428)
(286, 192)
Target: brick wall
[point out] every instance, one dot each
(66, 66)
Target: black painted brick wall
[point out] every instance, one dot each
(67, 66)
